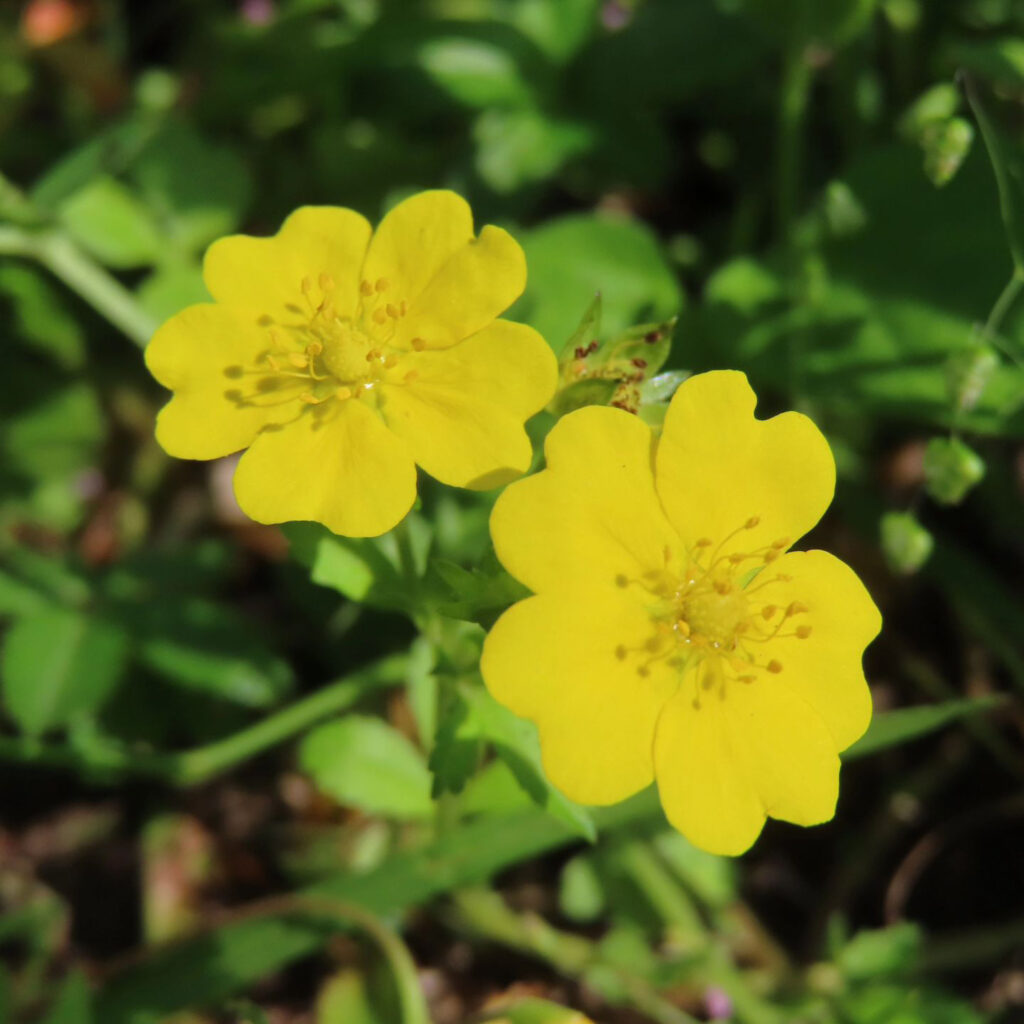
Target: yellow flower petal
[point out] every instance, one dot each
(462, 414)
(824, 669)
(415, 239)
(201, 354)
(554, 660)
(344, 469)
(758, 750)
(717, 467)
(316, 243)
(472, 287)
(591, 517)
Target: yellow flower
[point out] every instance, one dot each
(672, 635)
(341, 361)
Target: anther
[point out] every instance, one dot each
(411, 376)
(326, 283)
(774, 666)
(652, 644)
(795, 608)
(343, 393)
(722, 587)
(704, 542)
(684, 627)
(639, 363)
(365, 288)
(390, 362)
(621, 580)
(307, 285)
(372, 355)
(418, 344)
(736, 559)
(803, 632)
(782, 542)
(770, 555)
(314, 348)
(297, 360)
(751, 522)
(379, 316)
(402, 308)
(308, 398)
(643, 671)
(667, 554)
(620, 652)
(747, 679)
(392, 310)
(768, 611)
(382, 284)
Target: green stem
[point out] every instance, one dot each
(999, 169)
(83, 275)
(1007, 297)
(793, 99)
(191, 767)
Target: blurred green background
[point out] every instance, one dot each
(202, 717)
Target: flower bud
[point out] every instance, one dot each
(951, 469)
(905, 542)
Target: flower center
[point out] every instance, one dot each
(321, 356)
(713, 615)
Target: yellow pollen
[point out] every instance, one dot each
(768, 611)
(343, 393)
(298, 360)
(774, 666)
(803, 632)
(382, 284)
(372, 355)
(314, 348)
(683, 626)
(308, 399)
(419, 344)
(704, 542)
(365, 288)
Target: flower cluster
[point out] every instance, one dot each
(673, 635)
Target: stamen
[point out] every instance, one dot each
(309, 399)
(382, 284)
(774, 666)
(411, 376)
(343, 393)
(365, 288)
(752, 522)
(803, 632)
(307, 285)
(379, 316)
(704, 542)
(392, 310)
(621, 580)
(326, 282)
(782, 542)
(620, 652)
(796, 608)
(297, 360)
(419, 344)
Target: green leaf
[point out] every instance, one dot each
(475, 595)
(580, 890)
(535, 1011)
(208, 647)
(73, 1004)
(345, 999)
(799, 23)
(56, 436)
(516, 148)
(59, 664)
(365, 763)
(574, 257)
(894, 728)
(41, 317)
(455, 754)
(197, 189)
(477, 72)
(879, 952)
(109, 220)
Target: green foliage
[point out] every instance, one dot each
(367, 764)
(59, 664)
